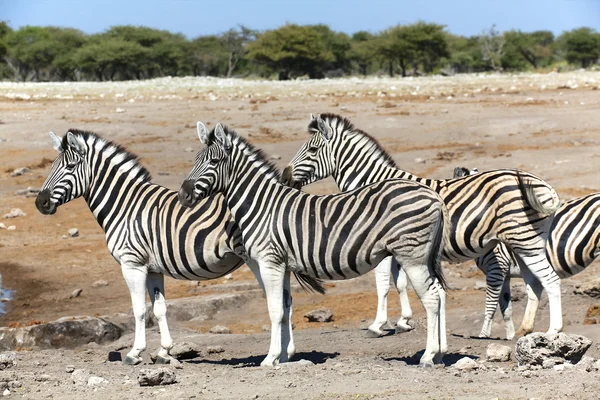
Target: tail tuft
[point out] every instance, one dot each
(310, 284)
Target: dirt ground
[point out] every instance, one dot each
(546, 124)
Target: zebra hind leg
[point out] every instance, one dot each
(401, 285)
(494, 277)
(273, 279)
(287, 337)
(156, 290)
(135, 277)
(534, 293)
(506, 309)
(382, 281)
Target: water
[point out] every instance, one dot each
(5, 296)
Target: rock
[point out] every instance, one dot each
(214, 349)
(42, 378)
(592, 315)
(275, 157)
(69, 369)
(228, 277)
(96, 380)
(549, 363)
(6, 392)
(466, 364)
(11, 228)
(420, 160)
(73, 232)
(29, 192)
(67, 332)
(154, 377)
(120, 110)
(185, 351)
(480, 285)
(14, 213)
(465, 350)
(587, 364)
(498, 353)
(100, 283)
(15, 384)
(7, 360)
(2, 226)
(319, 315)
(219, 329)
(534, 349)
(590, 288)
(80, 376)
(19, 171)
(75, 293)
(189, 150)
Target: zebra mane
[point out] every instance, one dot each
(346, 126)
(128, 156)
(255, 155)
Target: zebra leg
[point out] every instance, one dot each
(534, 293)
(287, 337)
(431, 299)
(438, 358)
(506, 309)
(135, 277)
(156, 290)
(494, 277)
(273, 277)
(382, 281)
(401, 284)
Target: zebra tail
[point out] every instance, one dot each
(310, 284)
(533, 200)
(439, 239)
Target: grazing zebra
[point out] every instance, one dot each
(331, 237)
(507, 206)
(147, 230)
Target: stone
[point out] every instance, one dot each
(15, 213)
(7, 360)
(42, 378)
(592, 315)
(535, 348)
(219, 329)
(19, 171)
(590, 288)
(100, 283)
(29, 192)
(185, 351)
(319, 315)
(587, 364)
(73, 232)
(549, 363)
(6, 392)
(214, 349)
(176, 363)
(75, 293)
(189, 150)
(498, 353)
(155, 377)
(80, 376)
(11, 228)
(119, 110)
(2, 226)
(275, 157)
(466, 364)
(67, 332)
(420, 160)
(69, 369)
(96, 380)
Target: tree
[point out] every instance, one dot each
(108, 58)
(362, 50)
(395, 45)
(523, 48)
(581, 46)
(235, 42)
(465, 54)
(492, 47)
(292, 50)
(207, 56)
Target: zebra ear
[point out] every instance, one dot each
(202, 132)
(325, 129)
(223, 139)
(474, 171)
(56, 141)
(312, 117)
(76, 143)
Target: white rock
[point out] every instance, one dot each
(100, 283)
(73, 232)
(466, 364)
(19, 171)
(498, 353)
(75, 293)
(189, 149)
(11, 228)
(120, 110)
(14, 213)
(96, 380)
(2, 226)
(6, 392)
(219, 329)
(420, 160)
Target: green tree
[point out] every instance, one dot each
(395, 45)
(292, 50)
(465, 54)
(522, 49)
(581, 46)
(108, 58)
(430, 44)
(207, 56)
(491, 44)
(235, 43)
(30, 49)
(362, 50)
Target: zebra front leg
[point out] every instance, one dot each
(156, 291)
(401, 285)
(506, 309)
(534, 293)
(287, 336)
(382, 282)
(135, 277)
(430, 295)
(273, 279)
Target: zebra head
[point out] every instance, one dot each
(69, 176)
(211, 169)
(462, 171)
(314, 160)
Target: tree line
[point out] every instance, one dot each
(35, 53)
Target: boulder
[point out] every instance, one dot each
(536, 348)
(319, 315)
(154, 377)
(498, 353)
(67, 332)
(185, 351)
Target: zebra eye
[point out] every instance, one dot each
(312, 150)
(71, 165)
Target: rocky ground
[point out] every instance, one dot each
(545, 124)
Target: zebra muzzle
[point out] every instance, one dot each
(186, 194)
(43, 203)
(287, 178)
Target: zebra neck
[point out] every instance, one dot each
(111, 184)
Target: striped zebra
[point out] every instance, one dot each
(329, 237)
(573, 244)
(507, 206)
(147, 230)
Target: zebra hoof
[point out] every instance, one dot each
(132, 360)
(426, 365)
(403, 328)
(372, 334)
(163, 360)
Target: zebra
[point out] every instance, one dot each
(329, 237)
(147, 230)
(573, 244)
(508, 206)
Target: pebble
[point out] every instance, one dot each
(14, 213)
(420, 160)
(74, 294)
(73, 232)
(189, 150)
(96, 380)
(319, 315)
(6, 392)
(214, 349)
(19, 171)
(275, 157)
(69, 369)
(219, 329)
(11, 228)
(466, 364)
(120, 110)
(100, 283)
(2, 226)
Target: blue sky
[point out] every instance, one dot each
(202, 17)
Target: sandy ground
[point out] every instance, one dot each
(545, 124)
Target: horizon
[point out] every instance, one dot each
(458, 17)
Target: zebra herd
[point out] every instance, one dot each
(234, 207)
